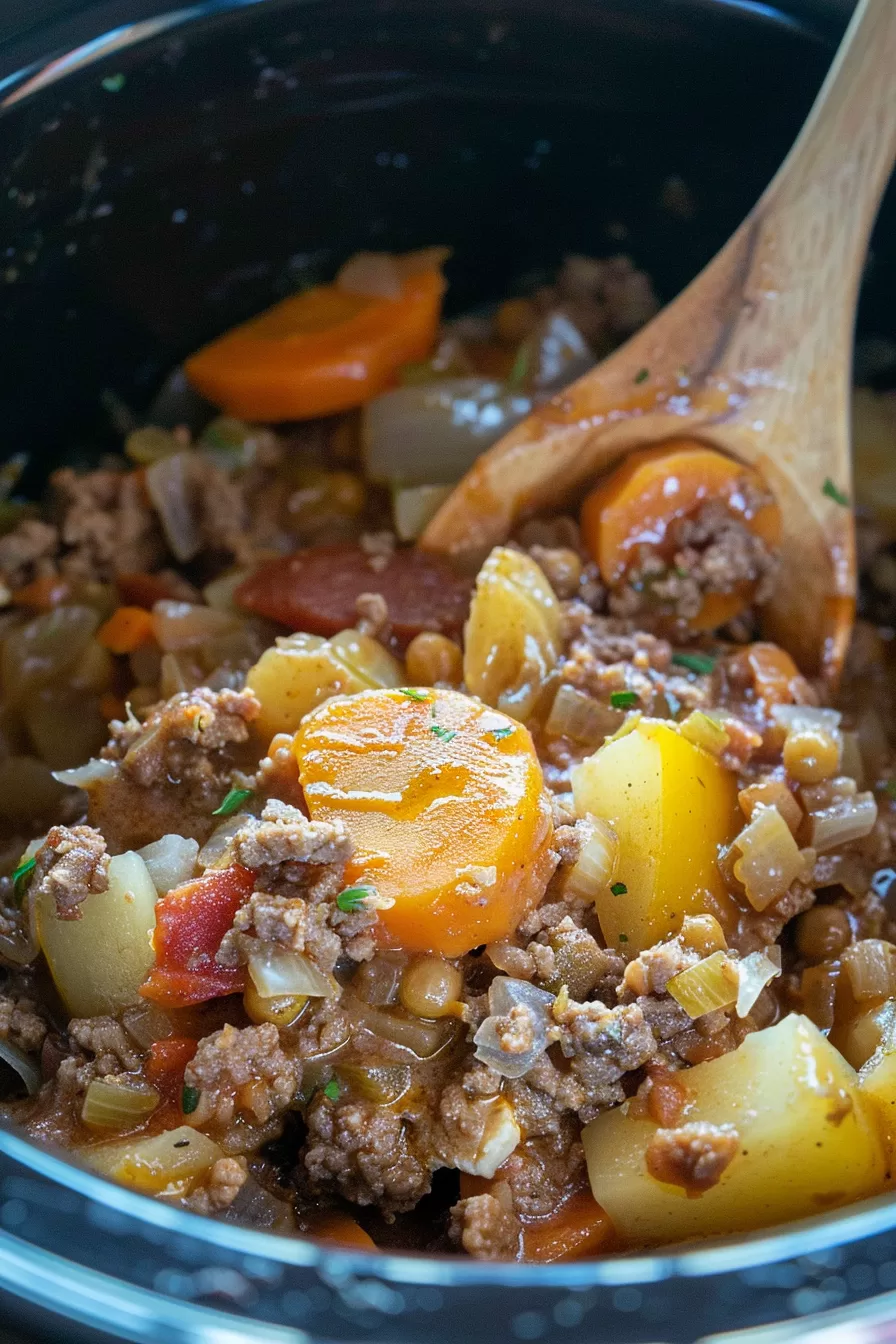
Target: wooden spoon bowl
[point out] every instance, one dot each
(753, 358)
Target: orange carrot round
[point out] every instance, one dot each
(319, 352)
(443, 798)
(127, 629)
(636, 506)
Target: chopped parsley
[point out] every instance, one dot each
(19, 883)
(890, 788)
(623, 699)
(114, 83)
(517, 375)
(233, 801)
(189, 1099)
(642, 375)
(352, 899)
(830, 489)
(695, 662)
(413, 694)
(446, 734)
(332, 1089)
(499, 734)
(619, 889)
(623, 937)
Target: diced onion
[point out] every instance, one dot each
(871, 967)
(770, 858)
(83, 776)
(170, 861)
(576, 716)
(595, 867)
(845, 820)
(146, 1023)
(256, 1207)
(276, 972)
(187, 625)
(168, 487)
(152, 1165)
(704, 732)
(26, 1068)
(118, 1106)
(754, 973)
(711, 984)
(383, 1084)
(215, 853)
(807, 718)
(425, 1039)
(413, 506)
(504, 994)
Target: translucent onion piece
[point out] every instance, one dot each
(414, 505)
(276, 972)
(146, 1022)
(83, 776)
(594, 869)
(555, 354)
(151, 1165)
(802, 718)
(771, 859)
(431, 434)
(754, 973)
(44, 649)
(168, 487)
(425, 1039)
(704, 732)
(117, 1106)
(578, 717)
(383, 1084)
(171, 861)
(256, 1207)
(26, 1068)
(215, 853)
(374, 274)
(845, 820)
(873, 1030)
(871, 967)
(711, 984)
(504, 994)
(187, 625)
(219, 593)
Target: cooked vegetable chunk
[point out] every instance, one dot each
(807, 1140)
(192, 920)
(672, 806)
(443, 799)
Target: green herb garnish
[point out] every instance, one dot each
(446, 734)
(517, 375)
(890, 788)
(332, 1089)
(412, 693)
(623, 699)
(695, 662)
(19, 882)
(352, 899)
(189, 1099)
(623, 937)
(619, 889)
(114, 83)
(233, 801)
(500, 733)
(642, 375)
(830, 489)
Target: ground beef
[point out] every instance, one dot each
(366, 1153)
(106, 524)
(602, 1045)
(465, 1111)
(693, 1156)
(373, 616)
(221, 1186)
(758, 930)
(107, 1041)
(28, 552)
(70, 865)
(285, 835)
(277, 775)
(485, 1229)
(21, 1024)
(543, 1169)
(242, 1073)
(653, 968)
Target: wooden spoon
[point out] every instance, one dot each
(754, 357)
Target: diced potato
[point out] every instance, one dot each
(808, 1141)
(301, 671)
(864, 1033)
(877, 1078)
(176, 1158)
(672, 806)
(511, 642)
(100, 960)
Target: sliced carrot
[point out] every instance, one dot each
(776, 677)
(332, 1225)
(319, 352)
(635, 507)
(127, 629)
(579, 1228)
(444, 801)
(167, 1061)
(43, 594)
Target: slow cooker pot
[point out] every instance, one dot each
(167, 173)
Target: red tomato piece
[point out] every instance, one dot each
(315, 591)
(191, 921)
(167, 1061)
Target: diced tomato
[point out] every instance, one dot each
(316, 590)
(145, 590)
(168, 1059)
(191, 922)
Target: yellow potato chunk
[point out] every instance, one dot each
(301, 671)
(807, 1140)
(673, 806)
(444, 801)
(175, 1158)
